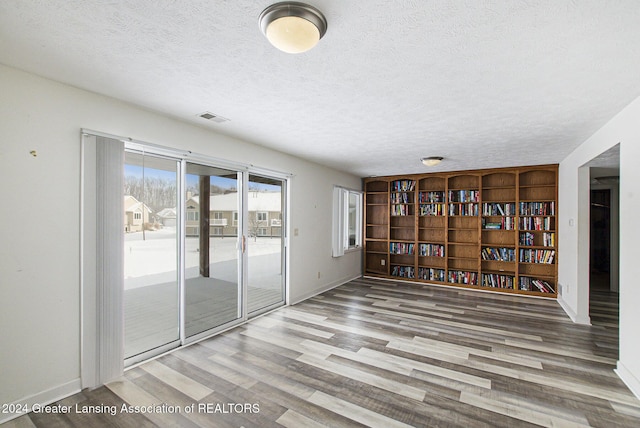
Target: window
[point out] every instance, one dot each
(217, 215)
(193, 216)
(262, 216)
(347, 220)
(137, 216)
(262, 231)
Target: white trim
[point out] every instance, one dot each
(574, 317)
(43, 398)
(340, 240)
(632, 382)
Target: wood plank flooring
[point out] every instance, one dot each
(381, 354)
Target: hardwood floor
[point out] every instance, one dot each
(381, 354)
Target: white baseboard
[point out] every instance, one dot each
(574, 317)
(632, 382)
(324, 288)
(42, 398)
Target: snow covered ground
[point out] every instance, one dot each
(154, 259)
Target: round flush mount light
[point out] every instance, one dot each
(431, 160)
(293, 27)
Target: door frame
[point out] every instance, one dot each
(90, 360)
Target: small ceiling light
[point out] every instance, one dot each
(293, 27)
(432, 160)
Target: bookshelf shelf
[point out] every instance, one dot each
(486, 229)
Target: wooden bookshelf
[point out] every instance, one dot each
(485, 229)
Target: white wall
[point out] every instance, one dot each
(573, 241)
(40, 230)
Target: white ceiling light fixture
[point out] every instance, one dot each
(431, 160)
(293, 27)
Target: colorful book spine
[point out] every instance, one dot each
(537, 208)
(431, 197)
(463, 277)
(499, 254)
(401, 248)
(431, 274)
(535, 223)
(431, 250)
(403, 185)
(431, 209)
(528, 255)
(534, 284)
(498, 281)
(403, 271)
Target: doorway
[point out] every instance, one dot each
(604, 241)
(204, 249)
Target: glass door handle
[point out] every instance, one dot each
(244, 243)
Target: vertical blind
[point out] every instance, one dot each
(102, 264)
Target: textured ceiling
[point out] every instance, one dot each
(482, 83)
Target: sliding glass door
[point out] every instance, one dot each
(265, 243)
(212, 259)
(151, 288)
(204, 249)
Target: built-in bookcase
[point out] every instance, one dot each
(463, 200)
(499, 224)
(432, 236)
(488, 229)
(376, 225)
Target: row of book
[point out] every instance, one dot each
(464, 196)
(533, 284)
(537, 208)
(536, 256)
(463, 277)
(401, 209)
(403, 185)
(529, 239)
(498, 209)
(499, 254)
(463, 209)
(401, 198)
(505, 223)
(471, 278)
(431, 209)
(497, 281)
(431, 250)
(431, 197)
(401, 248)
(535, 223)
(403, 271)
(431, 274)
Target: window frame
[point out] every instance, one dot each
(341, 223)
